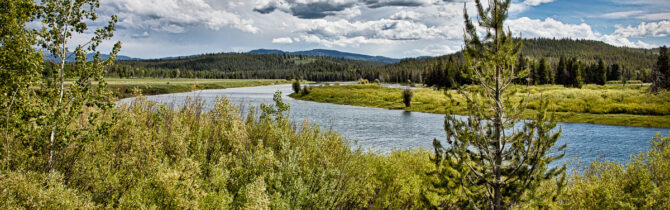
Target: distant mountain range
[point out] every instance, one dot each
(330, 53)
(90, 56)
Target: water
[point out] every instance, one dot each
(382, 130)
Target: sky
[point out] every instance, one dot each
(392, 28)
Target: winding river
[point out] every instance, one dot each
(383, 130)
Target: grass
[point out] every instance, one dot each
(610, 105)
(123, 88)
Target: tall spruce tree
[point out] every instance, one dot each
(545, 73)
(562, 74)
(488, 162)
(601, 72)
(576, 78)
(663, 64)
(661, 74)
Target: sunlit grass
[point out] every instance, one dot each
(612, 105)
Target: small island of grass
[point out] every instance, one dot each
(610, 105)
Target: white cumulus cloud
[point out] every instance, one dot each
(282, 40)
(551, 28)
(527, 4)
(173, 16)
(653, 29)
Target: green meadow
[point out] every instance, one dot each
(610, 105)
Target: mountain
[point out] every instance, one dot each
(90, 56)
(330, 53)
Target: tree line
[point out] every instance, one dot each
(542, 56)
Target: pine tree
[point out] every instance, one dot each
(614, 73)
(575, 69)
(487, 163)
(661, 74)
(663, 64)
(545, 73)
(521, 65)
(562, 74)
(601, 72)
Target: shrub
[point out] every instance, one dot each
(377, 81)
(642, 183)
(362, 81)
(407, 97)
(306, 90)
(296, 86)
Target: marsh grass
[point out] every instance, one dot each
(611, 105)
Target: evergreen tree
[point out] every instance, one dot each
(614, 73)
(661, 74)
(601, 72)
(535, 73)
(545, 73)
(663, 64)
(487, 163)
(575, 70)
(521, 65)
(562, 74)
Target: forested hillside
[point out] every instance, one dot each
(330, 53)
(246, 66)
(634, 64)
(637, 62)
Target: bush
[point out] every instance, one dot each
(377, 81)
(296, 86)
(362, 81)
(642, 183)
(407, 97)
(306, 90)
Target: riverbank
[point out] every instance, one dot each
(123, 88)
(609, 105)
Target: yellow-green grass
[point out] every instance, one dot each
(123, 88)
(611, 105)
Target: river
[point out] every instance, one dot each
(382, 130)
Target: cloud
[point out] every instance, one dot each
(173, 16)
(654, 29)
(550, 28)
(308, 9)
(656, 16)
(406, 3)
(637, 14)
(436, 50)
(282, 40)
(527, 4)
(342, 41)
(406, 15)
(315, 9)
(145, 34)
(621, 15)
(376, 29)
